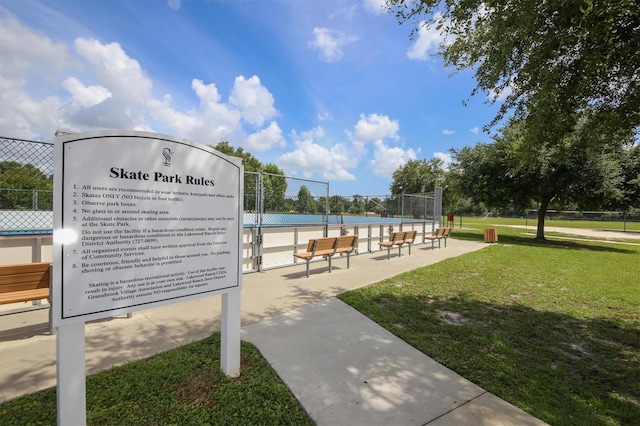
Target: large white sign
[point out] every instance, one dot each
(142, 220)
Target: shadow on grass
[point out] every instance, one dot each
(519, 240)
(561, 369)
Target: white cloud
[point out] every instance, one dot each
(448, 132)
(445, 157)
(475, 130)
(23, 50)
(115, 70)
(429, 39)
(325, 116)
(266, 139)
(347, 13)
(120, 99)
(310, 157)
(374, 127)
(83, 96)
(387, 160)
(501, 95)
(211, 123)
(105, 88)
(253, 100)
(329, 43)
(175, 4)
(26, 54)
(374, 6)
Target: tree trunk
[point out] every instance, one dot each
(542, 213)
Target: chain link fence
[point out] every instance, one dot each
(26, 193)
(406, 206)
(26, 186)
(26, 196)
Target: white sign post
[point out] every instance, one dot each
(140, 220)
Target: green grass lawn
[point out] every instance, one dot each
(183, 386)
(532, 222)
(551, 327)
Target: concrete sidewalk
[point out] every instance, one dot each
(343, 368)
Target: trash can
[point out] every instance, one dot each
(490, 235)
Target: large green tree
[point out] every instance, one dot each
(274, 181)
(417, 177)
(250, 163)
(275, 188)
(358, 205)
(338, 204)
(305, 202)
(513, 172)
(630, 195)
(24, 187)
(552, 59)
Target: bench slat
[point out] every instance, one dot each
(24, 268)
(28, 285)
(39, 277)
(346, 244)
(24, 282)
(24, 296)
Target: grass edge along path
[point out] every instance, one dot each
(551, 327)
(180, 386)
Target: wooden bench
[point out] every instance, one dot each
(24, 282)
(438, 235)
(395, 239)
(325, 247)
(346, 245)
(409, 239)
(447, 232)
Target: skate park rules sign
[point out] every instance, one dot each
(142, 220)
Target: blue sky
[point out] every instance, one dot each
(329, 90)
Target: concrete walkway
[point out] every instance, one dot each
(342, 367)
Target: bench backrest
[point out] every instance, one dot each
(410, 237)
(324, 245)
(346, 243)
(311, 245)
(397, 237)
(447, 231)
(24, 282)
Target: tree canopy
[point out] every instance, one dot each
(18, 183)
(274, 181)
(417, 177)
(250, 163)
(512, 172)
(550, 59)
(305, 202)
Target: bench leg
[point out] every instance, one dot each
(307, 268)
(388, 252)
(347, 260)
(329, 262)
(409, 249)
(399, 251)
